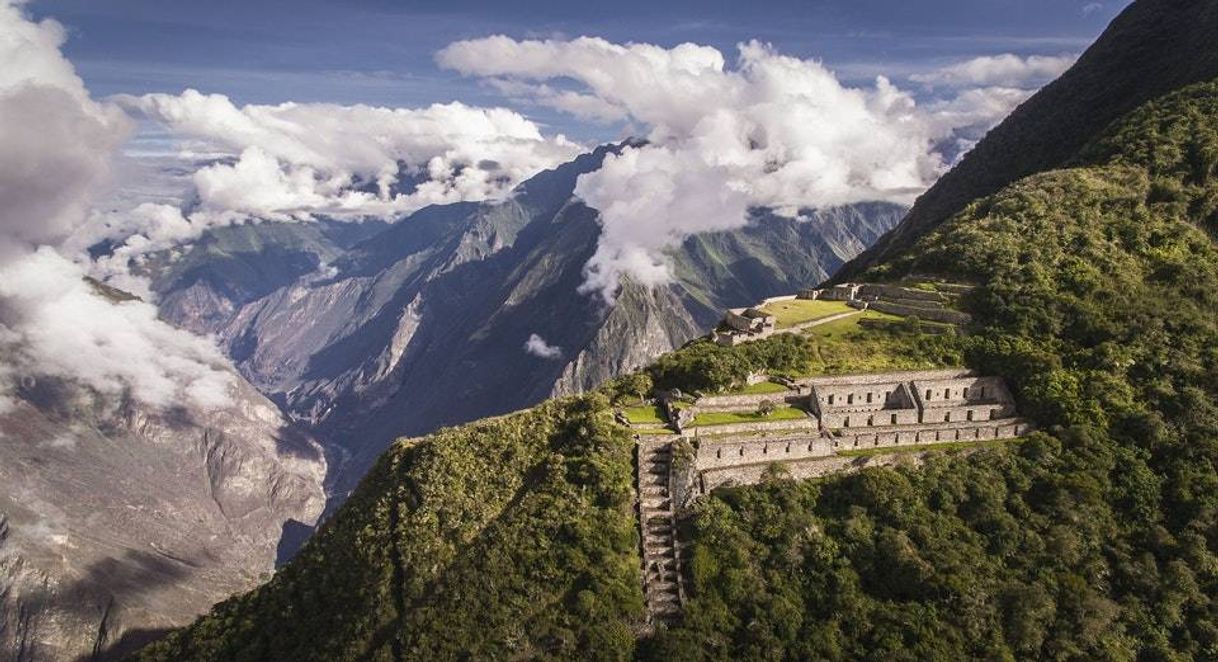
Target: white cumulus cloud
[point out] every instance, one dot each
(537, 346)
(1005, 70)
(765, 131)
(772, 131)
(57, 144)
(295, 160)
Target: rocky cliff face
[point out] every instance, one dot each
(424, 323)
(118, 522)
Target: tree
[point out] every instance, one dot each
(639, 383)
(766, 407)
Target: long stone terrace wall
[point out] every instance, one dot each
(712, 455)
(882, 377)
(898, 292)
(751, 474)
(745, 401)
(808, 424)
(720, 464)
(1006, 428)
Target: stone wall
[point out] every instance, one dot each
(963, 412)
(872, 395)
(959, 390)
(1006, 428)
(785, 297)
(807, 423)
(751, 474)
(898, 292)
(881, 377)
(713, 455)
(869, 418)
(743, 402)
(723, 464)
(844, 292)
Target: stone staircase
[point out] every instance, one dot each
(661, 554)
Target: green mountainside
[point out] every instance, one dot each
(1152, 48)
(1097, 298)
(1097, 538)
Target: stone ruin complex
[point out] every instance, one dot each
(851, 421)
(742, 325)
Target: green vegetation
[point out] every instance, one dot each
(920, 448)
(626, 389)
(706, 367)
(759, 388)
(837, 347)
(877, 342)
(798, 311)
(1094, 540)
(726, 417)
(644, 414)
(511, 537)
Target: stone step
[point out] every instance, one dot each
(658, 578)
(659, 555)
(660, 575)
(664, 596)
(661, 567)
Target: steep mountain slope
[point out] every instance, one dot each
(120, 522)
(1153, 47)
(1098, 286)
(425, 323)
(505, 538)
(1094, 539)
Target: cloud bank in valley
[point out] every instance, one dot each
(57, 144)
(294, 160)
(770, 131)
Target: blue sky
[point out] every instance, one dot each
(380, 51)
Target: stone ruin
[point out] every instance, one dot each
(852, 421)
(929, 305)
(745, 325)
(741, 325)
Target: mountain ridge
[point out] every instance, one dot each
(1151, 48)
(455, 291)
(1095, 286)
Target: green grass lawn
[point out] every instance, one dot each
(644, 414)
(759, 388)
(653, 432)
(798, 311)
(728, 417)
(844, 347)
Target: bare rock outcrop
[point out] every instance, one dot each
(118, 522)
